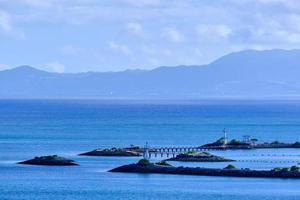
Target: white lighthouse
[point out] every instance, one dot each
(146, 154)
(225, 136)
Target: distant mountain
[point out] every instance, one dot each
(246, 74)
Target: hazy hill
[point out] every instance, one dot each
(246, 74)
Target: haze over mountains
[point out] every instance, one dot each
(246, 74)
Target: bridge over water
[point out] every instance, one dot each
(175, 150)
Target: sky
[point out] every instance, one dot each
(115, 35)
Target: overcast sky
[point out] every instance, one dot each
(113, 35)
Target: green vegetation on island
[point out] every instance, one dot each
(235, 142)
(144, 162)
(296, 143)
(163, 163)
(230, 167)
(220, 141)
(285, 169)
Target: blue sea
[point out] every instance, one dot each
(30, 128)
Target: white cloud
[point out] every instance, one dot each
(135, 28)
(279, 35)
(213, 31)
(37, 3)
(198, 52)
(149, 49)
(143, 2)
(55, 67)
(291, 4)
(276, 30)
(154, 61)
(167, 52)
(120, 48)
(174, 35)
(5, 22)
(71, 50)
(7, 27)
(154, 50)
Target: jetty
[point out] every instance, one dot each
(173, 151)
(223, 143)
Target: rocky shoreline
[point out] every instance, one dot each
(53, 160)
(150, 168)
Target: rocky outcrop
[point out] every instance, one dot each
(236, 144)
(157, 169)
(53, 160)
(112, 152)
(199, 157)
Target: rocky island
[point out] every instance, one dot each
(199, 157)
(146, 167)
(222, 144)
(113, 152)
(53, 160)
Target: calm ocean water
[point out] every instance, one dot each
(30, 128)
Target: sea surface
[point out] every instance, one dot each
(30, 128)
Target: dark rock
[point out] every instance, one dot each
(112, 152)
(199, 157)
(158, 169)
(236, 145)
(53, 160)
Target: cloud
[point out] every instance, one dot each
(120, 48)
(277, 30)
(166, 52)
(55, 67)
(155, 50)
(198, 52)
(290, 4)
(5, 22)
(174, 35)
(165, 31)
(37, 3)
(71, 50)
(135, 28)
(143, 2)
(213, 31)
(7, 26)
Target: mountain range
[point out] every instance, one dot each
(245, 74)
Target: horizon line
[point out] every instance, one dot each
(148, 70)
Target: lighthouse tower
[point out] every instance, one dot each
(225, 136)
(146, 154)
